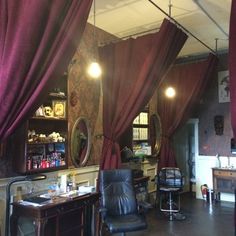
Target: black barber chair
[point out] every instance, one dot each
(119, 209)
(170, 183)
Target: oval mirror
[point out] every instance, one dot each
(155, 134)
(80, 142)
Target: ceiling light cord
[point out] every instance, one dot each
(94, 70)
(170, 6)
(177, 23)
(94, 23)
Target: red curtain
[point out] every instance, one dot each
(37, 41)
(132, 70)
(232, 66)
(189, 81)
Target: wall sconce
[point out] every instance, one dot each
(219, 124)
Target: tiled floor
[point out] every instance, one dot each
(202, 219)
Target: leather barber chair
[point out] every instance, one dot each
(119, 210)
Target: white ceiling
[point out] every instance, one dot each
(123, 18)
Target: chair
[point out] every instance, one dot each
(119, 210)
(170, 183)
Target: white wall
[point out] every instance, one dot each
(204, 165)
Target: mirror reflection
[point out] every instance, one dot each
(155, 134)
(80, 142)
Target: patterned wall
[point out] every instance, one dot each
(85, 95)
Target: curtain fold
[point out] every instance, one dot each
(232, 66)
(189, 81)
(133, 69)
(37, 41)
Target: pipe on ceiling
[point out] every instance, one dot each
(186, 30)
(210, 17)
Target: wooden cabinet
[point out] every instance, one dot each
(141, 129)
(224, 180)
(138, 133)
(40, 144)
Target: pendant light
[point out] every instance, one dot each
(94, 69)
(170, 92)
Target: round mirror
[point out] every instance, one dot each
(80, 142)
(155, 134)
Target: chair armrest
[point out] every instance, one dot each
(103, 212)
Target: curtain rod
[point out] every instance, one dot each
(187, 31)
(127, 36)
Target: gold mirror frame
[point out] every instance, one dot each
(155, 134)
(80, 142)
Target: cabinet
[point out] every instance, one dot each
(140, 129)
(41, 142)
(224, 180)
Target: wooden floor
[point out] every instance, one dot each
(202, 219)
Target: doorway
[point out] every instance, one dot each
(185, 144)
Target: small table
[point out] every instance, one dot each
(224, 180)
(141, 188)
(61, 216)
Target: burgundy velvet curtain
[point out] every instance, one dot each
(189, 81)
(37, 41)
(232, 66)
(132, 70)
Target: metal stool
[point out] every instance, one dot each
(170, 183)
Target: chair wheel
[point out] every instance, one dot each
(179, 216)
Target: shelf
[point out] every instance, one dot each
(40, 144)
(44, 143)
(48, 118)
(56, 95)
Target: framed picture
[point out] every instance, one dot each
(59, 108)
(223, 86)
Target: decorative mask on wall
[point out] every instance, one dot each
(219, 124)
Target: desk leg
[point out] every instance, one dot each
(88, 220)
(13, 224)
(40, 227)
(90, 228)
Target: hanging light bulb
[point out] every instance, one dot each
(94, 70)
(170, 92)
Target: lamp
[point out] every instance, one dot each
(94, 69)
(170, 92)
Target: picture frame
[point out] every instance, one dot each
(223, 86)
(59, 108)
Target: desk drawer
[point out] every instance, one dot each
(225, 173)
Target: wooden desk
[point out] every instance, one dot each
(61, 217)
(141, 188)
(224, 180)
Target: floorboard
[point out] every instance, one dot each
(202, 219)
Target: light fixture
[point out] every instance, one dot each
(170, 92)
(94, 70)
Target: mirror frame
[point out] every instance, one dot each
(88, 145)
(155, 127)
